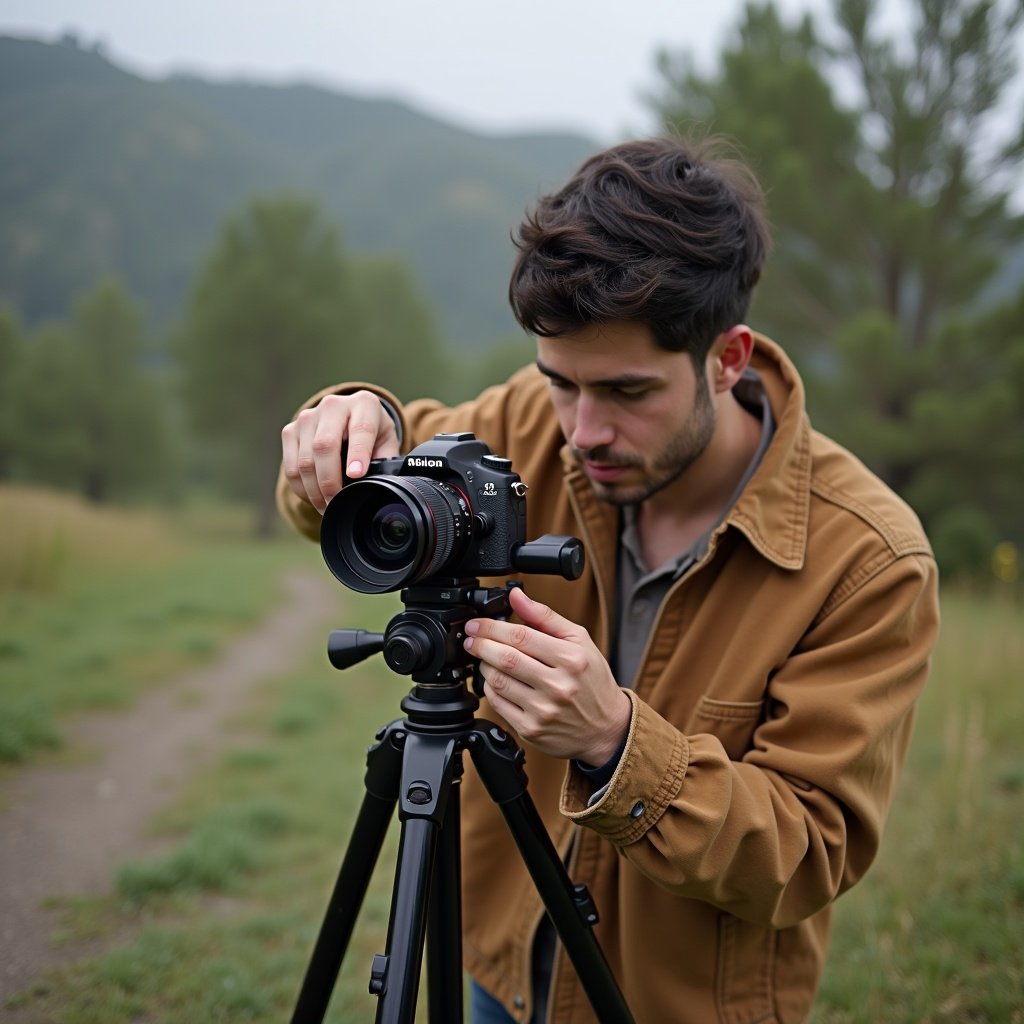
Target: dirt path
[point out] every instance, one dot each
(63, 830)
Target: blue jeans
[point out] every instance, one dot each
(485, 1009)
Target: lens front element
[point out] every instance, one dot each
(390, 536)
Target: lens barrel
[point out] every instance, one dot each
(383, 533)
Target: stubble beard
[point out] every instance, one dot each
(681, 452)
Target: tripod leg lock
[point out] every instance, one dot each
(585, 906)
(378, 974)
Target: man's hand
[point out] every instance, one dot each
(549, 681)
(311, 444)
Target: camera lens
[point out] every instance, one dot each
(384, 533)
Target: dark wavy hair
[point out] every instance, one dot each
(664, 232)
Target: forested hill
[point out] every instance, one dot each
(102, 171)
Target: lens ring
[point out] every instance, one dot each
(450, 517)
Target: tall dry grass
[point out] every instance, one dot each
(48, 537)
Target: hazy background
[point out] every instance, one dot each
(570, 65)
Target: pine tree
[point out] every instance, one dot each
(890, 202)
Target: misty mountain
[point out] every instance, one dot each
(103, 171)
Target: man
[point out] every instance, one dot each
(716, 713)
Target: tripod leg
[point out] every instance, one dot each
(396, 976)
(383, 761)
(444, 923)
(430, 764)
(500, 765)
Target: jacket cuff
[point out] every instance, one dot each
(647, 778)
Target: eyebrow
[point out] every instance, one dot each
(624, 380)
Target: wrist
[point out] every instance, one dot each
(611, 746)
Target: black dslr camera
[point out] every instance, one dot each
(447, 511)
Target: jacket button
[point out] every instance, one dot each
(637, 809)
(519, 1003)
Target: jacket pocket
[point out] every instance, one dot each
(732, 721)
(746, 968)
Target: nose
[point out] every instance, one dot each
(593, 428)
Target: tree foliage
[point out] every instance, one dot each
(397, 344)
(891, 211)
(11, 354)
(266, 326)
(85, 411)
(279, 311)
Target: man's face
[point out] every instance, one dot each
(635, 415)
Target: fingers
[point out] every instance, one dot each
(366, 420)
(526, 650)
(503, 664)
(312, 445)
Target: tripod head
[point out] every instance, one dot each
(425, 640)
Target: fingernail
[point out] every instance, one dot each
(468, 643)
(472, 627)
(354, 468)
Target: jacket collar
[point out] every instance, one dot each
(773, 510)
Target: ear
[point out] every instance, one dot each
(730, 353)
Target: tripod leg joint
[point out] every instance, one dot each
(499, 761)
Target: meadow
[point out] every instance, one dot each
(96, 606)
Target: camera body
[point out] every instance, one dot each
(491, 498)
(450, 509)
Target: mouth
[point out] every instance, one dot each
(605, 472)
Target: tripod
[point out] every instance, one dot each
(416, 764)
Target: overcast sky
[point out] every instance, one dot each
(568, 64)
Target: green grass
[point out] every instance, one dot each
(934, 932)
(127, 601)
(220, 926)
(220, 849)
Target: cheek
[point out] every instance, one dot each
(650, 427)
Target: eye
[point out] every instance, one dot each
(630, 396)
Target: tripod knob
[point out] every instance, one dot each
(347, 647)
(408, 649)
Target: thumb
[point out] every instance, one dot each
(539, 616)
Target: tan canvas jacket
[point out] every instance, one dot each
(771, 716)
